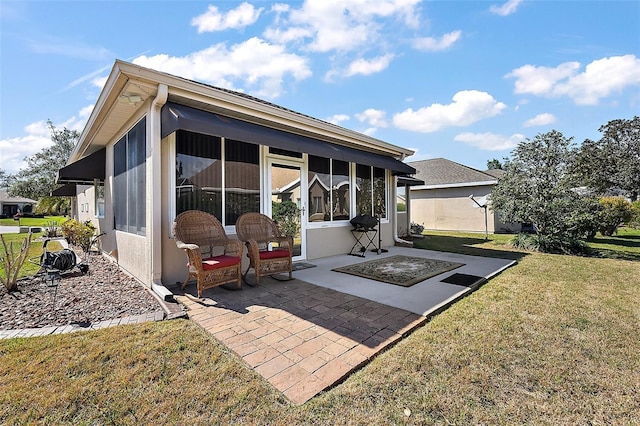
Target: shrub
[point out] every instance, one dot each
(615, 211)
(12, 262)
(80, 234)
(52, 229)
(549, 244)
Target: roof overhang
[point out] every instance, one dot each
(86, 170)
(67, 190)
(130, 89)
(409, 181)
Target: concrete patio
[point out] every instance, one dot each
(307, 335)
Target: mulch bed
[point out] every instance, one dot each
(104, 293)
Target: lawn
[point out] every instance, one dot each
(33, 221)
(552, 340)
(14, 242)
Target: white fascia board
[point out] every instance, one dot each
(455, 185)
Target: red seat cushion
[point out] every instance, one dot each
(221, 261)
(274, 254)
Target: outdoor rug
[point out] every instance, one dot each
(399, 270)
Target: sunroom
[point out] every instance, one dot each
(173, 144)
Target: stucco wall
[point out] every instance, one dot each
(331, 241)
(86, 204)
(450, 209)
(133, 255)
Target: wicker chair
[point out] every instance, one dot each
(214, 259)
(258, 231)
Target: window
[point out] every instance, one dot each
(242, 179)
(130, 180)
(371, 196)
(198, 173)
(99, 195)
(379, 192)
(319, 180)
(329, 189)
(210, 178)
(364, 186)
(340, 193)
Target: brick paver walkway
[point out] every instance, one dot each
(302, 338)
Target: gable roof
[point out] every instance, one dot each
(443, 173)
(131, 89)
(5, 198)
(496, 173)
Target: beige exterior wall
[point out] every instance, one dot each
(86, 205)
(331, 241)
(451, 209)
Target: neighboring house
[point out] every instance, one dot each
(157, 144)
(9, 206)
(443, 202)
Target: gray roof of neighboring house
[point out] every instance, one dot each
(5, 198)
(496, 173)
(442, 172)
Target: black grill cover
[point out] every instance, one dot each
(364, 221)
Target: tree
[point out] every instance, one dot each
(38, 179)
(537, 188)
(494, 164)
(5, 180)
(613, 162)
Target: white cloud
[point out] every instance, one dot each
(541, 80)
(326, 25)
(366, 67)
(213, 20)
(254, 63)
(600, 79)
(373, 117)
(37, 137)
(418, 156)
(99, 82)
(506, 9)
(540, 120)
(337, 118)
(490, 141)
(468, 106)
(431, 44)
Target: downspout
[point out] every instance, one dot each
(155, 193)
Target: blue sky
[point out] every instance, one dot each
(463, 80)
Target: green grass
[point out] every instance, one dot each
(32, 221)
(551, 340)
(625, 244)
(35, 251)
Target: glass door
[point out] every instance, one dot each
(288, 202)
